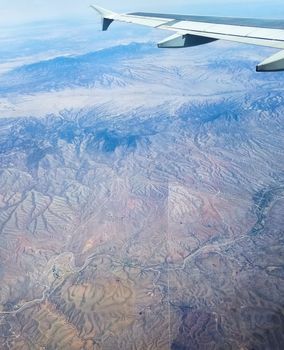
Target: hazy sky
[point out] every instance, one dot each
(21, 11)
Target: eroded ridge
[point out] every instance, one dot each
(157, 232)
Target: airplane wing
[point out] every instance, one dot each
(199, 30)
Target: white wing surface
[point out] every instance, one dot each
(199, 30)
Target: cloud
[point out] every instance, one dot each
(19, 11)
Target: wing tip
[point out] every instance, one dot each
(103, 12)
(107, 16)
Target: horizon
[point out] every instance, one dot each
(39, 11)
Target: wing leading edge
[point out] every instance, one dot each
(199, 30)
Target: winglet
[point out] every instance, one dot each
(107, 16)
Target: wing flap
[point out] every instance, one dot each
(249, 35)
(240, 39)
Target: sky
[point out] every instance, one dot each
(24, 11)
